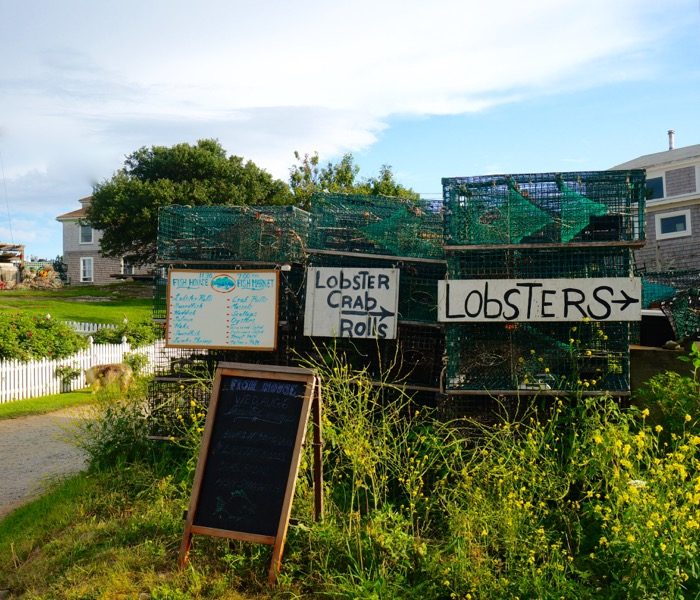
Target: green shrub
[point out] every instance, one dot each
(574, 498)
(578, 498)
(673, 399)
(136, 360)
(137, 334)
(117, 433)
(25, 337)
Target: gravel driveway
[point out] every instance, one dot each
(35, 450)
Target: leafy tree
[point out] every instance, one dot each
(307, 178)
(126, 206)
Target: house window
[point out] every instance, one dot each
(85, 234)
(673, 224)
(655, 188)
(86, 273)
(127, 267)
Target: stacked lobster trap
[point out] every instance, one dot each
(547, 226)
(563, 226)
(358, 231)
(341, 232)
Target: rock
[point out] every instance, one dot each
(671, 345)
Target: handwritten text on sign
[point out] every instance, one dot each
(600, 299)
(222, 309)
(351, 302)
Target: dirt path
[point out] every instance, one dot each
(33, 451)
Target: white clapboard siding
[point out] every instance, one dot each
(19, 380)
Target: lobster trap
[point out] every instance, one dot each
(418, 281)
(544, 208)
(501, 358)
(232, 233)
(376, 225)
(413, 359)
(659, 287)
(549, 263)
(683, 312)
(174, 404)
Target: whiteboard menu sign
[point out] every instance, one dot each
(222, 309)
(351, 302)
(503, 300)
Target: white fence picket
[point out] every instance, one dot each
(19, 380)
(88, 328)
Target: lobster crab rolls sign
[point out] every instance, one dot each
(503, 300)
(351, 302)
(222, 309)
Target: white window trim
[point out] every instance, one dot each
(80, 235)
(85, 260)
(676, 234)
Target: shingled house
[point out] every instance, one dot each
(85, 264)
(672, 208)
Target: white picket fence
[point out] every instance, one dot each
(88, 328)
(19, 380)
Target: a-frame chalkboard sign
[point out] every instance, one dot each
(249, 457)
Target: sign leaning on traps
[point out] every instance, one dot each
(503, 300)
(351, 302)
(228, 309)
(250, 456)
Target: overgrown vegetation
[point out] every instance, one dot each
(574, 498)
(137, 334)
(26, 337)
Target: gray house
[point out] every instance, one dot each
(81, 252)
(672, 209)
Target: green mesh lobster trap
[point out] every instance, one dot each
(600, 206)
(538, 357)
(663, 286)
(683, 312)
(232, 233)
(534, 357)
(376, 225)
(418, 281)
(541, 263)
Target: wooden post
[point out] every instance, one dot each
(318, 454)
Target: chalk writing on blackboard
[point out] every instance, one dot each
(249, 459)
(222, 309)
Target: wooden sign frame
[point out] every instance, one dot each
(311, 399)
(222, 272)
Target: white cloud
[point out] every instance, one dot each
(85, 83)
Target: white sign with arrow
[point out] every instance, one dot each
(499, 300)
(351, 302)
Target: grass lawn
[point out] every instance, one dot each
(97, 304)
(45, 404)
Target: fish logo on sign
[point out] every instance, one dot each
(223, 283)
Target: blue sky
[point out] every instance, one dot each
(435, 89)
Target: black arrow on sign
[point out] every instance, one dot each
(626, 302)
(382, 313)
